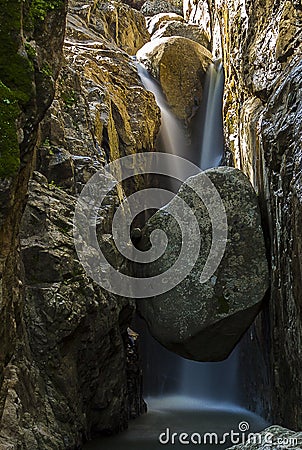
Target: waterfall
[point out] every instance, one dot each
(184, 395)
(168, 373)
(171, 137)
(211, 145)
(172, 132)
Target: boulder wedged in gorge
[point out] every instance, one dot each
(204, 321)
(153, 7)
(186, 30)
(180, 65)
(156, 22)
(260, 44)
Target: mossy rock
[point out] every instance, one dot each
(9, 148)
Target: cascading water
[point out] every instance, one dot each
(211, 144)
(207, 381)
(182, 395)
(171, 132)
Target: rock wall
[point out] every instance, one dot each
(32, 36)
(260, 44)
(71, 368)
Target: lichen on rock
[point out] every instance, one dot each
(204, 321)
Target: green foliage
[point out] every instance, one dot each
(53, 185)
(69, 97)
(46, 70)
(16, 70)
(31, 52)
(9, 147)
(40, 8)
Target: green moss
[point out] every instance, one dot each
(46, 70)
(16, 83)
(16, 70)
(69, 97)
(31, 52)
(9, 147)
(40, 8)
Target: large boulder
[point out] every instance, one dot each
(155, 22)
(203, 321)
(181, 28)
(153, 7)
(136, 4)
(179, 65)
(272, 438)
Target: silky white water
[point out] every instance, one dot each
(178, 375)
(185, 396)
(211, 145)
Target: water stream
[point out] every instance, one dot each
(212, 381)
(182, 395)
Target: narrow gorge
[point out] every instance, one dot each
(196, 98)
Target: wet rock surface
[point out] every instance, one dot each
(31, 56)
(180, 65)
(71, 368)
(186, 30)
(157, 21)
(110, 20)
(273, 438)
(153, 7)
(261, 47)
(204, 321)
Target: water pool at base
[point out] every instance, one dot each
(176, 414)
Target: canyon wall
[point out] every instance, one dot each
(260, 44)
(69, 363)
(32, 36)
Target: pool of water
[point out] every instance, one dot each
(169, 417)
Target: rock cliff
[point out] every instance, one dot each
(32, 36)
(260, 44)
(69, 363)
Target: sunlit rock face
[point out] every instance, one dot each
(74, 369)
(153, 7)
(260, 44)
(204, 321)
(157, 21)
(113, 21)
(180, 65)
(186, 30)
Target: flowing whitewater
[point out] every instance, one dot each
(211, 144)
(171, 374)
(182, 395)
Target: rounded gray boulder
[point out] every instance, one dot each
(203, 321)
